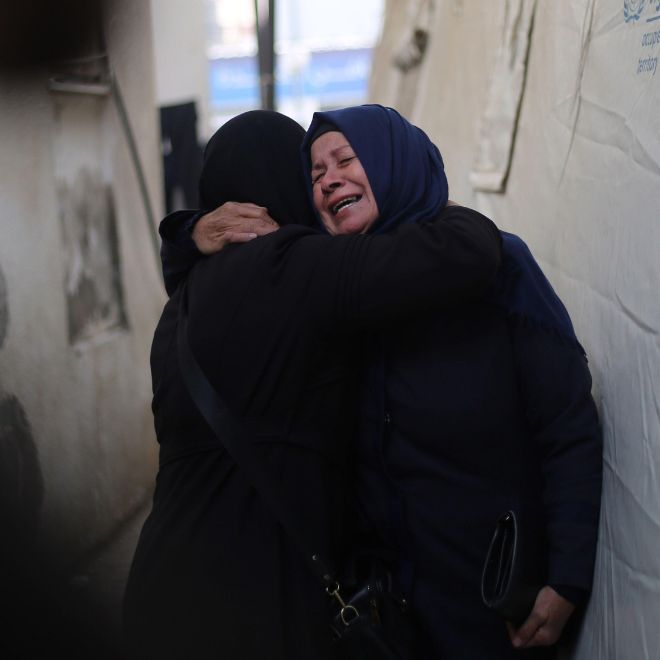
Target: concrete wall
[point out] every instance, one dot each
(546, 116)
(80, 295)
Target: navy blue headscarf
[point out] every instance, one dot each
(406, 173)
(405, 169)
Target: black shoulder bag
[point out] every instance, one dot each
(371, 623)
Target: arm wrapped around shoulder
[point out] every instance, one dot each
(420, 268)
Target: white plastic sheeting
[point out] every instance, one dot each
(583, 189)
(507, 84)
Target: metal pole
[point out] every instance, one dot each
(139, 170)
(265, 19)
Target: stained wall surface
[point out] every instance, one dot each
(80, 295)
(546, 114)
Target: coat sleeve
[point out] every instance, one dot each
(367, 280)
(556, 388)
(178, 252)
(264, 313)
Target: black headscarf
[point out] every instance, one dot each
(255, 157)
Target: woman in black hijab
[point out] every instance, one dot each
(275, 325)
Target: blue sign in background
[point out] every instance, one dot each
(329, 76)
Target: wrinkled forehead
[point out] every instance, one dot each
(329, 143)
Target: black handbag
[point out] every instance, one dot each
(372, 619)
(515, 568)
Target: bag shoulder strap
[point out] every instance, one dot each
(230, 432)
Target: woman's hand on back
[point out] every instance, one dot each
(233, 222)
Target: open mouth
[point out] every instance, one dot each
(347, 201)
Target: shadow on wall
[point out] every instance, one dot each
(41, 31)
(41, 618)
(21, 483)
(21, 498)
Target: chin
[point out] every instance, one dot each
(352, 226)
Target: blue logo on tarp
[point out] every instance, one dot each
(632, 9)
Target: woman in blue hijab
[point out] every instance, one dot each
(466, 413)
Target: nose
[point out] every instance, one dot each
(332, 180)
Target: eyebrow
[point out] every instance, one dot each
(319, 166)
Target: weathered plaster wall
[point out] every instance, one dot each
(583, 189)
(76, 431)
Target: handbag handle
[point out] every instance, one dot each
(229, 431)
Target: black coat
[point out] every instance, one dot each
(275, 325)
(465, 415)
